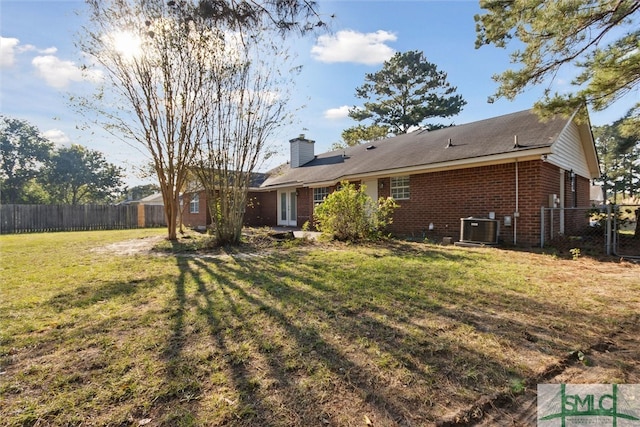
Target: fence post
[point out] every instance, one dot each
(615, 227)
(542, 226)
(141, 218)
(608, 230)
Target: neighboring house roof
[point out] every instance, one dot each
(520, 135)
(153, 199)
(256, 179)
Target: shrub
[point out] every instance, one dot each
(349, 214)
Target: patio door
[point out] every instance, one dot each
(287, 208)
(371, 189)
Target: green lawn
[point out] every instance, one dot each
(293, 335)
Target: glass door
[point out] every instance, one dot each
(287, 208)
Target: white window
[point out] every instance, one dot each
(194, 204)
(319, 194)
(400, 187)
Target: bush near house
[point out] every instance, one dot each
(349, 214)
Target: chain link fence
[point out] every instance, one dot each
(606, 229)
(626, 231)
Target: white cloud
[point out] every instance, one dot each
(48, 51)
(31, 48)
(56, 136)
(337, 113)
(26, 48)
(59, 73)
(7, 51)
(10, 46)
(352, 46)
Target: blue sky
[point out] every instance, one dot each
(39, 68)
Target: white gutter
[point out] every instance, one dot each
(291, 184)
(516, 214)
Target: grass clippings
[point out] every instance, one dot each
(280, 333)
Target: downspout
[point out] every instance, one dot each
(516, 214)
(563, 195)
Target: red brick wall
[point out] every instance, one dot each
(576, 220)
(305, 206)
(385, 191)
(443, 198)
(193, 220)
(583, 187)
(262, 209)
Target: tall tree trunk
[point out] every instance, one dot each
(171, 212)
(172, 220)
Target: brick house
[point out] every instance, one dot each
(505, 168)
(260, 211)
(195, 213)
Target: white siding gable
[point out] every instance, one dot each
(568, 152)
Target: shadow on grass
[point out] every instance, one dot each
(88, 295)
(234, 341)
(290, 340)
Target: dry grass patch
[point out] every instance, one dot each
(305, 334)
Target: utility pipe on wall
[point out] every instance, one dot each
(516, 214)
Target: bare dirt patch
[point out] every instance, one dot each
(256, 243)
(141, 246)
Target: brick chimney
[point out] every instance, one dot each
(302, 151)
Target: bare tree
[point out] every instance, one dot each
(247, 103)
(159, 61)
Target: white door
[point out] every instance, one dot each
(287, 208)
(371, 189)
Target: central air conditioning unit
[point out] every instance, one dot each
(479, 230)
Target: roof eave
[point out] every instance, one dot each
(589, 147)
(289, 184)
(520, 156)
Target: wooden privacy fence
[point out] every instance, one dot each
(41, 218)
